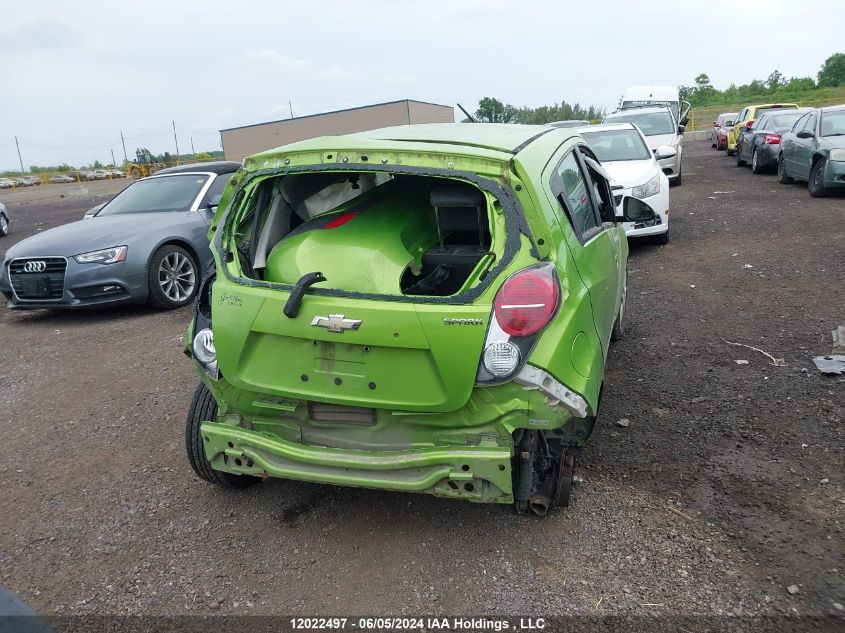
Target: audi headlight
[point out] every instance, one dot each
(648, 189)
(205, 352)
(106, 256)
(837, 155)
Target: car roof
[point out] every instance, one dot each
(498, 141)
(214, 167)
(833, 108)
(635, 111)
(602, 127)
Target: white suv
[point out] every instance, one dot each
(660, 130)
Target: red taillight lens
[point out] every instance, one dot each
(526, 302)
(749, 124)
(772, 139)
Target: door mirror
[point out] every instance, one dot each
(684, 122)
(804, 134)
(214, 202)
(681, 129)
(635, 210)
(90, 213)
(665, 151)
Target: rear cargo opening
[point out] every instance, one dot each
(368, 232)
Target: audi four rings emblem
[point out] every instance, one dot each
(35, 266)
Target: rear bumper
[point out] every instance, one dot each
(767, 154)
(475, 473)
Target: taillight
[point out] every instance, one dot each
(526, 302)
(749, 124)
(772, 139)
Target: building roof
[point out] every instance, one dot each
(309, 116)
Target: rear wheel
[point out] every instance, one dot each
(782, 177)
(661, 238)
(172, 278)
(135, 171)
(756, 167)
(4, 225)
(204, 407)
(815, 185)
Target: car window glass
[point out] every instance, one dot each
(602, 198)
(161, 193)
(833, 123)
(810, 125)
(799, 124)
(613, 145)
(651, 123)
(576, 197)
(217, 187)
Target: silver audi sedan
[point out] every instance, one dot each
(148, 244)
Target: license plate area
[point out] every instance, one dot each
(35, 286)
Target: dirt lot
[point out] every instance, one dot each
(725, 489)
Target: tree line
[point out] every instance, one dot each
(492, 110)
(830, 75)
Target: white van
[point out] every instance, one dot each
(644, 96)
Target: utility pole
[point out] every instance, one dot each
(290, 105)
(125, 157)
(193, 151)
(175, 140)
(19, 154)
(113, 161)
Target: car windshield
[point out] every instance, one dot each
(651, 123)
(617, 145)
(164, 193)
(833, 123)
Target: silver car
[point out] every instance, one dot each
(148, 244)
(4, 220)
(659, 127)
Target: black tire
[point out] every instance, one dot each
(4, 225)
(618, 330)
(739, 161)
(815, 184)
(782, 177)
(204, 407)
(172, 278)
(677, 182)
(756, 167)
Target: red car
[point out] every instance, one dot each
(719, 135)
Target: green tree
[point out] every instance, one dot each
(832, 72)
(775, 81)
(492, 110)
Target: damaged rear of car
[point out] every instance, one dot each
(399, 310)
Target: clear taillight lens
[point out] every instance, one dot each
(526, 302)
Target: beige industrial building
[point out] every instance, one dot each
(239, 142)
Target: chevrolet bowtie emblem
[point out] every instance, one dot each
(336, 323)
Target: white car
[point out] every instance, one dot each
(625, 154)
(670, 96)
(660, 129)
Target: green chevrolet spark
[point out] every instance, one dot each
(422, 308)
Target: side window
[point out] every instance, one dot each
(799, 124)
(602, 196)
(811, 123)
(216, 188)
(573, 195)
(742, 116)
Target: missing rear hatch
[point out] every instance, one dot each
(369, 232)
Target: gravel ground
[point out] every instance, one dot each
(722, 497)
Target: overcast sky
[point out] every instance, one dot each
(74, 75)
